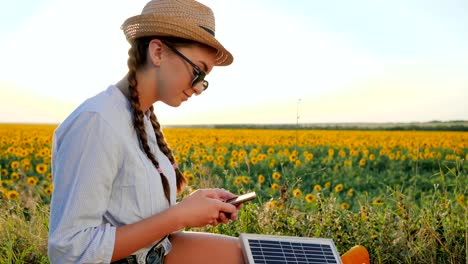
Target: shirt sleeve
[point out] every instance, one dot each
(85, 162)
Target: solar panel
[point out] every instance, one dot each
(270, 249)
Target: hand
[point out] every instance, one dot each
(206, 206)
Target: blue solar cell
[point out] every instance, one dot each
(264, 249)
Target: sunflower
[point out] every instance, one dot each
(327, 184)
(310, 198)
(237, 180)
(254, 160)
(49, 176)
(276, 175)
(297, 163)
(233, 163)
(14, 165)
(14, 176)
(274, 186)
(41, 168)
(270, 151)
(188, 175)
(339, 188)
(317, 188)
(372, 157)
(261, 157)
(261, 178)
(272, 163)
(32, 181)
(344, 206)
(342, 153)
(220, 162)
(234, 153)
(245, 179)
(378, 202)
(293, 157)
(297, 193)
(49, 190)
(4, 172)
(362, 162)
(350, 192)
(309, 157)
(12, 195)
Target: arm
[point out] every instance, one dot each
(199, 209)
(85, 161)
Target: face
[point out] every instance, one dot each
(182, 72)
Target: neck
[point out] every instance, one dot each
(123, 87)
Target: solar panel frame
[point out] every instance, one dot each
(273, 249)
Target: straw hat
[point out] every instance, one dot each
(186, 19)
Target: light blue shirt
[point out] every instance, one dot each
(102, 180)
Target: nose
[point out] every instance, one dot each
(198, 89)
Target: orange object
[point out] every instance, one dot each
(356, 255)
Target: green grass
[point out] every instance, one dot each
(423, 218)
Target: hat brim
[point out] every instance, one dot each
(154, 25)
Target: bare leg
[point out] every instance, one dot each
(196, 247)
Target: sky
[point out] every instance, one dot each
(305, 61)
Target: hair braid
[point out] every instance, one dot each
(181, 181)
(137, 57)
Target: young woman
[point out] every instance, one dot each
(115, 178)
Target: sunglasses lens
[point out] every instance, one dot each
(205, 85)
(199, 84)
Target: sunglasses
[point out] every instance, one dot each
(199, 84)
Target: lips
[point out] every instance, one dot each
(187, 95)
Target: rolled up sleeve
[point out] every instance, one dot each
(85, 161)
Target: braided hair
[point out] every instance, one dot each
(136, 59)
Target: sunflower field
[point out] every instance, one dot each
(399, 193)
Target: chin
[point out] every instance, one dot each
(174, 104)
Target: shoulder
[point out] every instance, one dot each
(107, 110)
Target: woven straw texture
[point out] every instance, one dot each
(186, 19)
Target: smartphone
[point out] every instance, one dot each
(242, 198)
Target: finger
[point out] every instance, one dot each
(224, 217)
(227, 208)
(226, 195)
(211, 193)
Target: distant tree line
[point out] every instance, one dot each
(457, 125)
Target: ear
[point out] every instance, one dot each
(155, 52)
